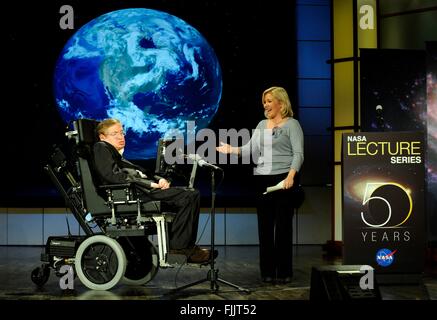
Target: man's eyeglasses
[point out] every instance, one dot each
(114, 134)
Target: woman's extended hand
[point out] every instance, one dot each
(224, 148)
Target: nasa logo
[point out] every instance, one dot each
(385, 257)
(356, 138)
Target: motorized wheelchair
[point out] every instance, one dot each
(117, 224)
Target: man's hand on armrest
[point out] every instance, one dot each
(154, 185)
(163, 184)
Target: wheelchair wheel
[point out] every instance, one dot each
(40, 275)
(142, 260)
(100, 262)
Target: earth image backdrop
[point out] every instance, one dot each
(147, 68)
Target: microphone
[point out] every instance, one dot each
(201, 162)
(379, 117)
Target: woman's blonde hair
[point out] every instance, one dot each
(281, 95)
(105, 124)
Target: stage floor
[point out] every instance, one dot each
(236, 264)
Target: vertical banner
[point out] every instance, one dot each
(384, 200)
(431, 119)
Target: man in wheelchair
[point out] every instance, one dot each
(112, 168)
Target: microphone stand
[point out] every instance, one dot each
(380, 123)
(212, 275)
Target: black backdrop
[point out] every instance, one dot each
(396, 80)
(254, 42)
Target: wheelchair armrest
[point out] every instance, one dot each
(116, 186)
(146, 207)
(151, 207)
(124, 192)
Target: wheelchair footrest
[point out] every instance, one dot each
(179, 259)
(176, 258)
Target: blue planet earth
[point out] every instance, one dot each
(149, 69)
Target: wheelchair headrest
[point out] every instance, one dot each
(86, 131)
(86, 137)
